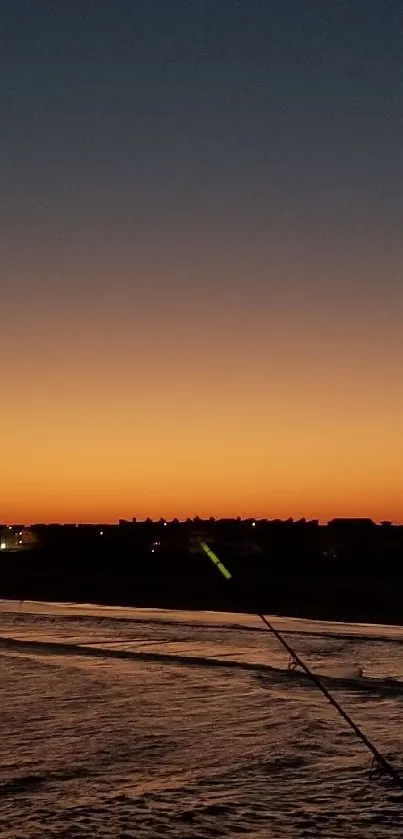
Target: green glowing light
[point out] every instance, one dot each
(211, 555)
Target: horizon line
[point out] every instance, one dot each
(209, 519)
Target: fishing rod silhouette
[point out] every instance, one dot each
(380, 764)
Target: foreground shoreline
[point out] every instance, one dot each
(250, 621)
(314, 610)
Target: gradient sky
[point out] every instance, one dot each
(201, 259)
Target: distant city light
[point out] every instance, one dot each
(152, 550)
(2, 546)
(253, 524)
(20, 541)
(165, 523)
(101, 532)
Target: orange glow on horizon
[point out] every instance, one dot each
(221, 406)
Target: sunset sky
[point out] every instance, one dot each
(201, 259)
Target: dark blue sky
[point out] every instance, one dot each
(204, 126)
(293, 103)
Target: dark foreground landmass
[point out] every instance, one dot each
(348, 570)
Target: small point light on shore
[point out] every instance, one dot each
(101, 532)
(2, 546)
(253, 524)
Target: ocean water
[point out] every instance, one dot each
(145, 723)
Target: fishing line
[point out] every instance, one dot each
(379, 762)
